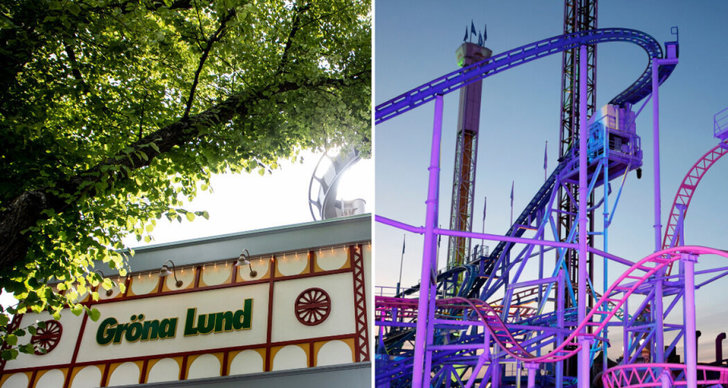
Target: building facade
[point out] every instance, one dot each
(272, 307)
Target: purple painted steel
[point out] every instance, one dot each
(399, 225)
(421, 371)
(650, 375)
(657, 314)
(457, 79)
(583, 364)
(532, 369)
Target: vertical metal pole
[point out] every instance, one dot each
(691, 357)
(658, 312)
(656, 151)
(665, 380)
(625, 333)
(583, 358)
(532, 369)
(421, 377)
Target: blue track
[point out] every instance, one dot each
(457, 79)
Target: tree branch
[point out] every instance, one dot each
(216, 36)
(75, 68)
(295, 26)
(29, 208)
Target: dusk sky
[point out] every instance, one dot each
(415, 42)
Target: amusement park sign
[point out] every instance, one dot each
(139, 329)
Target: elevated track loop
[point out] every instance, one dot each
(509, 59)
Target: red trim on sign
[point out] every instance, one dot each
(127, 285)
(224, 371)
(234, 278)
(143, 374)
(198, 275)
(81, 331)
(160, 287)
(67, 379)
(183, 368)
(310, 355)
(269, 329)
(105, 377)
(311, 268)
(361, 343)
(33, 376)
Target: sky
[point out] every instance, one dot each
(243, 202)
(415, 42)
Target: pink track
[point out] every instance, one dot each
(649, 375)
(687, 188)
(627, 283)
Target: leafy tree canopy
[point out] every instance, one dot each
(113, 112)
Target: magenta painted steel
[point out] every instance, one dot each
(421, 371)
(687, 188)
(650, 375)
(691, 350)
(626, 285)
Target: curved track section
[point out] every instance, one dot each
(651, 375)
(625, 285)
(527, 53)
(687, 188)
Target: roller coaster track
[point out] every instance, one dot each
(626, 285)
(512, 58)
(686, 190)
(651, 375)
(489, 316)
(527, 53)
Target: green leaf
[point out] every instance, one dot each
(190, 216)
(9, 354)
(94, 314)
(11, 339)
(77, 309)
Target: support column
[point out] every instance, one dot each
(691, 357)
(583, 358)
(421, 374)
(659, 348)
(532, 369)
